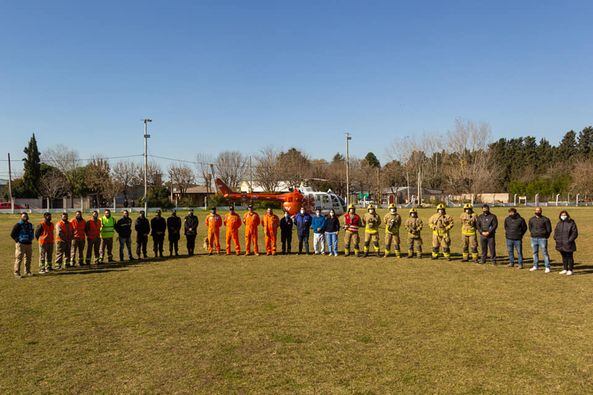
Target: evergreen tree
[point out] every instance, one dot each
(585, 144)
(567, 149)
(372, 160)
(32, 169)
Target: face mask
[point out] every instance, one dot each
(563, 217)
(302, 211)
(392, 211)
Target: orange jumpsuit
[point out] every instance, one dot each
(213, 222)
(232, 221)
(270, 224)
(251, 221)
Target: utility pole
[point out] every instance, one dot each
(348, 138)
(212, 181)
(408, 184)
(250, 175)
(146, 137)
(10, 186)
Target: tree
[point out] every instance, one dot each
(582, 182)
(231, 167)
(127, 175)
(267, 169)
(53, 185)
(65, 160)
(203, 169)
(372, 160)
(31, 169)
(182, 177)
(99, 182)
(295, 166)
(585, 143)
(567, 149)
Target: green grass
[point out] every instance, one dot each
(300, 324)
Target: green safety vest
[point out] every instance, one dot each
(107, 227)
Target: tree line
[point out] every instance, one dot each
(465, 160)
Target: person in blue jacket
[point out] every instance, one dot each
(303, 223)
(318, 225)
(22, 234)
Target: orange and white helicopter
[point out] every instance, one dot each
(291, 201)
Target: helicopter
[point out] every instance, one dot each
(291, 201)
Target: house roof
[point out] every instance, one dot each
(199, 189)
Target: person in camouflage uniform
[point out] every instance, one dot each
(469, 235)
(392, 222)
(441, 223)
(414, 226)
(371, 222)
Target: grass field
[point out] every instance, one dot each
(300, 324)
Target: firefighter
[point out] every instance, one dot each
(190, 228)
(414, 227)
(107, 232)
(63, 242)
(441, 223)
(392, 223)
(78, 238)
(213, 222)
(352, 222)
(270, 224)
(251, 221)
(286, 225)
(468, 233)
(93, 237)
(371, 222)
(158, 226)
(45, 235)
(232, 222)
(174, 232)
(142, 228)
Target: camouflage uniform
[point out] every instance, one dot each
(414, 226)
(469, 235)
(441, 224)
(371, 231)
(392, 224)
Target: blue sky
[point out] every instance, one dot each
(217, 75)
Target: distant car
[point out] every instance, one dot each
(6, 206)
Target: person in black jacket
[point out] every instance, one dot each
(142, 228)
(332, 227)
(174, 230)
(123, 227)
(565, 234)
(158, 226)
(486, 226)
(514, 229)
(191, 231)
(540, 229)
(286, 225)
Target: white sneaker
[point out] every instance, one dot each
(569, 273)
(563, 272)
(533, 269)
(547, 270)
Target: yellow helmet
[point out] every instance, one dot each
(351, 206)
(392, 205)
(413, 210)
(370, 207)
(468, 206)
(441, 206)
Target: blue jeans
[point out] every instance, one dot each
(537, 244)
(515, 245)
(332, 242)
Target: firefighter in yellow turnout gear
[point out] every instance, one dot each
(468, 233)
(371, 222)
(441, 223)
(392, 222)
(414, 227)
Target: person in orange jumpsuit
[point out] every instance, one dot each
(251, 221)
(213, 223)
(270, 224)
(232, 222)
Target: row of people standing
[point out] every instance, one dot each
(97, 233)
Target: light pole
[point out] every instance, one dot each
(348, 138)
(146, 137)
